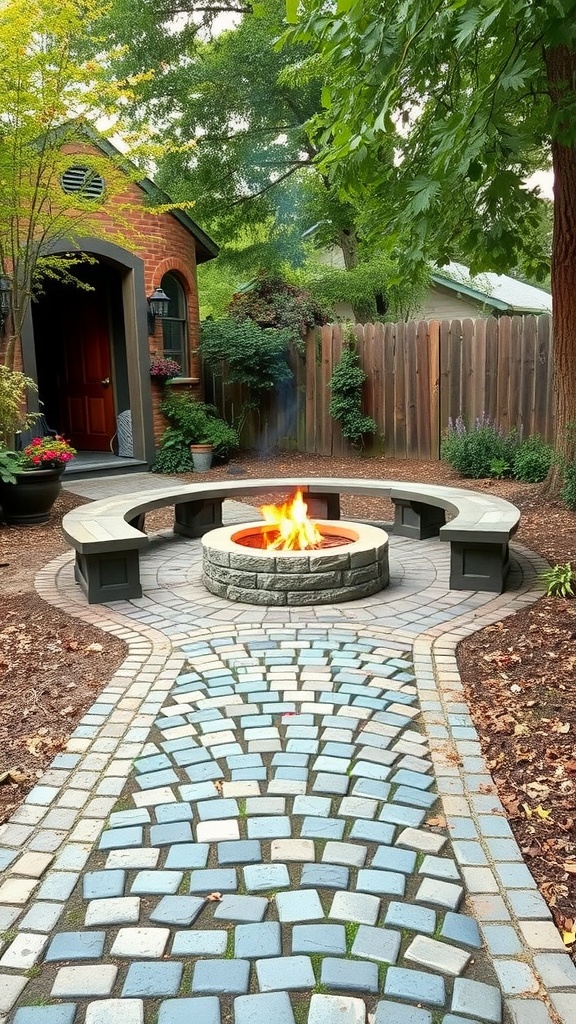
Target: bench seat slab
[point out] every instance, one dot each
(476, 565)
(417, 520)
(195, 518)
(109, 575)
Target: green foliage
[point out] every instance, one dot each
(173, 456)
(272, 302)
(559, 580)
(532, 460)
(569, 486)
(373, 287)
(13, 388)
(479, 451)
(346, 402)
(253, 355)
(499, 468)
(9, 466)
(199, 423)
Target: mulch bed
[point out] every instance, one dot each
(519, 674)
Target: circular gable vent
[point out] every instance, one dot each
(83, 181)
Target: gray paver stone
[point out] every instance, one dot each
(152, 979)
(390, 858)
(478, 999)
(198, 942)
(172, 832)
(344, 853)
(299, 905)
(178, 910)
(355, 906)
(213, 880)
(76, 946)
(137, 942)
(241, 908)
(441, 894)
(187, 855)
(440, 956)
(240, 851)
(200, 1010)
(275, 827)
(527, 1011)
(408, 915)
(103, 884)
(324, 876)
(336, 1010)
(264, 1006)
(355, 975)
(115, 1011)
(462, 928)
(322, 828)
(84, 981)
(156, 883)
(417, 839)
(373, 831)
(388, 1012)
(221, 977)
(440, 867)
(262, 877)
(253, 941)
(121, 910)
(319, 938)
(285, 973)
(388, 883)
(62, 1014)
(377, 944)
(415, 986)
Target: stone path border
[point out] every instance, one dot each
(50, 838)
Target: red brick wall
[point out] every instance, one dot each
(165, 245)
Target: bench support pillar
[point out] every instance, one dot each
(109, 576)
(195, 518)
(323, 506)
(416, 520)
(477, 565)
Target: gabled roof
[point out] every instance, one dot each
(502, 293)
(207, 248)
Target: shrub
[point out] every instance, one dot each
(559, 580)
(198, 423)
(173, 456)
(346, 401)
(272, 302)
(253, 355)
(532, 460)
(480, 450)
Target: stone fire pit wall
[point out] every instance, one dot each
(324, 576)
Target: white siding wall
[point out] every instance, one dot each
(440, 304)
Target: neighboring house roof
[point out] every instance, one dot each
(502, 293)
(207, 248)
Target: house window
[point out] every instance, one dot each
(175, 325)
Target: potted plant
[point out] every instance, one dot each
(31, 480)
(195, 430)
(163, 370)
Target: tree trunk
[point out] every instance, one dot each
(348, 242)
(561, 69)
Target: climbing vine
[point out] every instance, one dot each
(346, 386)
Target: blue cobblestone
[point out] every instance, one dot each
(221, 977)
(352, 975)
(264, 1006)
(204, 1009)
(152, 979)
(415, 986)
(253, 941)
(285, 973)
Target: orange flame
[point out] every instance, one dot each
(295, 530)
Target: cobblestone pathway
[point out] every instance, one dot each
(265, 819)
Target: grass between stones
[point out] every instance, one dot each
(351, 929)
(300, 1010)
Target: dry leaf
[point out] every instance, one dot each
(214, 897)
(570, 867)
(94, 648)
(438, 822)
(521, 730)
(218, 785)
(13, 775)
(561, 727)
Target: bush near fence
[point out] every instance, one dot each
(419, 375)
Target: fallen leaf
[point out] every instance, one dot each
(94, 648)
(438, 822)
(218, 785)
(520, 729)
(214, 897)
(570, 867)
(561, 727)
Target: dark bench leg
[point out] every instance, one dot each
(478, 566)
(195, 518)
(416, 520)
(110, 576)
(323, 506)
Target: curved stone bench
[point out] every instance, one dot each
(108, 535)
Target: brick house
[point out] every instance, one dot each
(90, 349)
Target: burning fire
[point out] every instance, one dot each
(296, 531)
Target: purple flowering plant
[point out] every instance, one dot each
(164, 369)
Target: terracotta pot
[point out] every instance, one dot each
(202, 455)
(29, 500)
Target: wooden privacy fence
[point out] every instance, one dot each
(419, 374)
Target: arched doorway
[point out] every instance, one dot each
(80, 347)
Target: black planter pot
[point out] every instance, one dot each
(29, 500)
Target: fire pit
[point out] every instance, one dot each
(304, 562)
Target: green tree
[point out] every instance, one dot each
(57, 79)
(470, 96)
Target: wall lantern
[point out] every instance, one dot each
(158, 304)
(5, 296)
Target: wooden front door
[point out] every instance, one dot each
(87, 394)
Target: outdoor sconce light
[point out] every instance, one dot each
(158, 304)
(5, 294)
